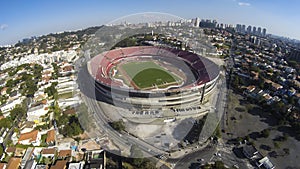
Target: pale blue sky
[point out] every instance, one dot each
(20, 19)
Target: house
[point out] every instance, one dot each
(3, 91)
(51, 137)
(48, 152)
(78, 165)
(27, 127)
(251, 152)
(3, 165)
(14, 138)
(250, 88)
(59, 164)
(276, 86)
(265, 163)
(10, 150)
(95, 159)
(73, 101)
(14, 94)
(14, 163)
(28, 138)
(6, 108)
(39, 97)
(64, 153)
(254, 75)
(267, 97)
(70, 111)
(34, 113)
(20, 152)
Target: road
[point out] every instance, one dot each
(194, 157)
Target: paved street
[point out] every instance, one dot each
(194, 157)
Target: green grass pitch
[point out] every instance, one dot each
(148, 74)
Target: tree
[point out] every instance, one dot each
(219, 165)
(71, 126)
(1, 149)
(51, 90)
(265, 133)
(217, 132)
(286, 151)
(293, 63)
(17, 112)
(147, 164)
(236, 81)
(137, 155)
(118, 125)
(5, 123)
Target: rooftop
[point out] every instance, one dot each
(31, 136)
(59, 165)
(20, 152)
(48, 151)
(250, 149)
(3, 165)
(14, 163)
(50, 136)
(10, 149)
(65, 153)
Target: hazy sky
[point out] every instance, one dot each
(21, 19)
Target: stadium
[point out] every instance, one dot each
(153, 78)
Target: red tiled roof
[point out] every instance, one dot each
(50, 136)
(65, 153)
(59, 165)
(31, 136)
(2, 165)
(14, 163)
(10, 149)
(48, 151)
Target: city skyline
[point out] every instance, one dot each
(21, 19)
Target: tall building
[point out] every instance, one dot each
(264, 32)
(222, 26)
(243, 28)
(238, 27)
(197, 22)
(258, 31)
(208, 23)
(249, 28)
(254, 30)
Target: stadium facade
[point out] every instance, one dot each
(198, 78)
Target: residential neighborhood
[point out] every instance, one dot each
(41, 102)
(38, 87)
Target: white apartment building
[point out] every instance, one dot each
(6, 108)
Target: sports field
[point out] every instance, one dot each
(148, 74)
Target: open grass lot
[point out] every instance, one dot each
(148, 74)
